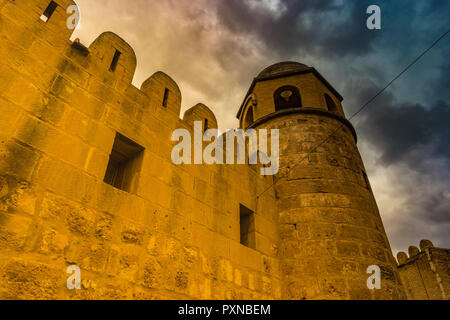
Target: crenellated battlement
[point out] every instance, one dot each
(424, 272)
(105, 69)
(413, 252)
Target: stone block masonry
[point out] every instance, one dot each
(175, 235)
(86, 179)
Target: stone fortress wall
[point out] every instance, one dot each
(175, 234)
(425, 273)
(86, 178)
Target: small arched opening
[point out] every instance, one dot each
(331, 106)
(249, 118)
(287, 97)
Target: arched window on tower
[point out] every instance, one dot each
(248, 120)
(287, 97)
(331, 106)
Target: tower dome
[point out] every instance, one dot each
(282, 68)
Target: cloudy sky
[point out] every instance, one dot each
(214, 48)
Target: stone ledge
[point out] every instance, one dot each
(321, 112)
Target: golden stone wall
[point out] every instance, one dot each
(330, 227)
(425, 273)
(176, 233)
(176, 236)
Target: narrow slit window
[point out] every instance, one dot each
(115, 61)
(124, 164)
(165, 98)
(331, 106)
(205, 125)
(248, 121)
(366, 180)
(49, 11)
(247, 226)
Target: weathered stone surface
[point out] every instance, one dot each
(322, 198)
(425, 274)
(177, 234)
(29, 280)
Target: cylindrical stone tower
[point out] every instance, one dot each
(330, 228)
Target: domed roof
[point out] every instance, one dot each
(286, 68)
(281, 68)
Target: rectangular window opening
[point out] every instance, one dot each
(115, 61)
(247, 226)
(165, 98)
(124, 164)
(205, 126)
(49, 11)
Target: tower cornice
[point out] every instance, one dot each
(305, 110)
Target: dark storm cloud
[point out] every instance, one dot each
(409, 132)
(424, 210)
(411, 141)
(416, 138)
(440, 88)
(314, 26)
(440, 202)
